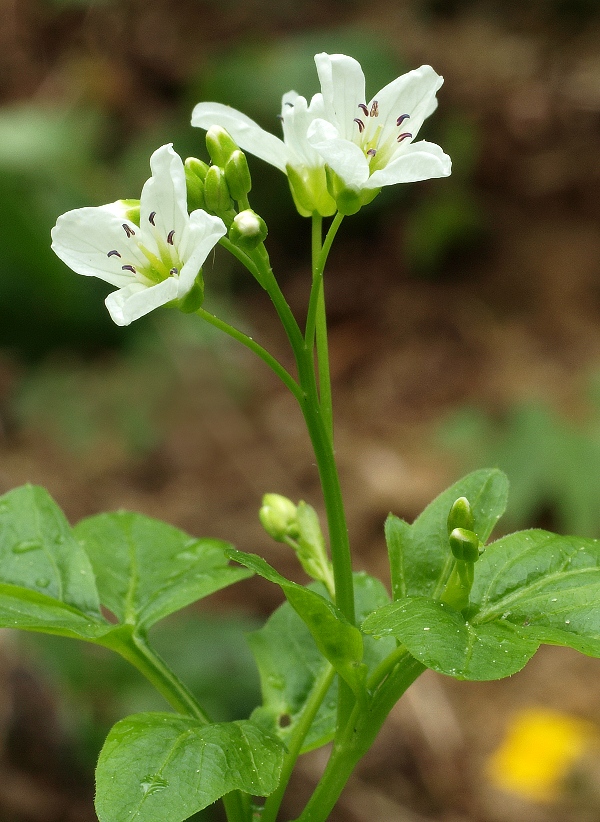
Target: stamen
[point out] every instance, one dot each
(152, 216)
(360, 124)
(364, 109)
(374, 109)
(129, 268)
(372, 152)
(401, 119)
(291, 105)
(170, 236)
(128, 230)
(173, 272)
(113, 253)
(401, 137)
(280, 117)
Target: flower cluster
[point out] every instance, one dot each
(337, 151)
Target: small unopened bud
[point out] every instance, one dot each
(278, 517)
(195, 174)
(248, 229)
(464, 545)
(237, 175)
(220, 145)
(461, 515)
(216, 192)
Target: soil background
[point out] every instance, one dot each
(508, 310)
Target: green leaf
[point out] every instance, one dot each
(159, 766)
(38, 551)
(546, 585)
(147, 569)
(419, 554)
(442, 639)
(47, 582)
(291, 666)
(337, 639)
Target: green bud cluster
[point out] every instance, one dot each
(298, 526)
(466, 549)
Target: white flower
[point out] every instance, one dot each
(293, 155)
(339, 150)
(368, 145)
(152, 263)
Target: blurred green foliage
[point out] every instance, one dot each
(553, 463)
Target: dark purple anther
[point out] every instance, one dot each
(128, 230)
(173, 272)
(372, 152)
(401, 119)
(403, 136)
(170, 236)
(151, 217)
(360, 124)
(374, 109)
(113, 253)
(129, 268)
(364, 109)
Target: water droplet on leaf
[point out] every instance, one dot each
(26, 545)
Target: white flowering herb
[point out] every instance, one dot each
(337, 655)
(153, 262)
(340, 149)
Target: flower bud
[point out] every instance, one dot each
(278, 517)
(461, 515)
(248, 229)
(216, 192)
(220, 145)
(195, 174)
(237, 175)
(464, 545)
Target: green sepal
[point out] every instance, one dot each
(461, 515)
(237, 175)
(347, 200)
(216, 194)
(309, 191)
(195, 174)
(194, 298)
(464, 544)
(131, 210)
(220, 145)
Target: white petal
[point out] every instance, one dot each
(343, 156)
(412, 93)
(297, 118)
(343, 86)
(84, 237)
(247, 134)
(165, 196)
(136, 300)
(419, 161)
(204, 233)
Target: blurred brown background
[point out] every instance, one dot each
(465, 331)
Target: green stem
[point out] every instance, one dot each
(238, 335)
(294, 744)
(134, 648)
(358, 736)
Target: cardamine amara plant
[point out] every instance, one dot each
(338, 654)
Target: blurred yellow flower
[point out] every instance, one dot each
(539, 750)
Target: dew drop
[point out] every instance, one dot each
(567, 621)
(427, 629)
(276, 682)
(553, 599)
(153, 784)
(26, 545)
(42, 582)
